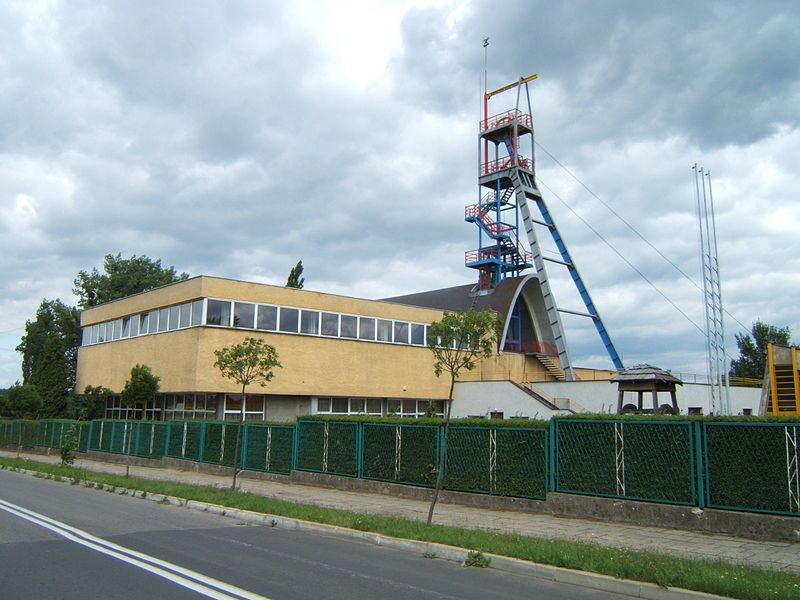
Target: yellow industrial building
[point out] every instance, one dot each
(339, 355)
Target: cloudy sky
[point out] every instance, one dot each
(233, 138)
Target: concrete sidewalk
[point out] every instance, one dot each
(782, 556)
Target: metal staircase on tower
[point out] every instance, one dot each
(508, 181)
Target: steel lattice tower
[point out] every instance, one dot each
(507, 184)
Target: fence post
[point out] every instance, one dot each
(295, 444)
(359, 450)
(166, 438)
(699, 470)
(439, 438)
(552, 460)
(201, 450)
(242, 460)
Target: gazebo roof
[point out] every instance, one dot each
(645, 373)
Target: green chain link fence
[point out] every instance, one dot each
(748, 466)
(637, 460)
(752, 466)
(401, 453)
(328, 447)
(268, 448)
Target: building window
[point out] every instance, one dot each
(414, 408)
(400, 332)
(695, 410)
(339, 405)
(330, 324)
(197, 312)
(349, 327)
(163, 320)
(323, 405)
(244, 315)
(366, 328)
(86, 336)
(186, 315)
(174, 317)
(253, 409)
(267, 317)
(417, 334)
(289, 319)
(309, 322)
(126, 327)
(384, 330)
(134, 325)
(218, 313)
(144, 320)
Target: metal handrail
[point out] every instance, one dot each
(505, 117)
(506, 162)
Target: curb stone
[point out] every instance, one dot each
(606, 583)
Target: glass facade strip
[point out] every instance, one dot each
(248, 315)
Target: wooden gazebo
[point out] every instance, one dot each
(646, 378)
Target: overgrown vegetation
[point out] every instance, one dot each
(714, 577)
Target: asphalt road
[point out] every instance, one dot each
(64, 541)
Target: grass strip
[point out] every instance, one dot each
(714, 577)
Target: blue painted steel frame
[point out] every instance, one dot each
(587, 299)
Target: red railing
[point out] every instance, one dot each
(506, 162)
(475, 211)
(505, 118)
(531, 347)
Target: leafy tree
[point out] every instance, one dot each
(141, 387)
(295, 279)
(753, 350)
(457, 341)
(23, 402)
(49, 351)
(122, 277)
(89, 405)
(252, 361)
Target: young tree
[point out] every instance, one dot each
(295, 279)
(141, 387)
(457, 341)
(753, 350)
(122, 277)
(252, 361)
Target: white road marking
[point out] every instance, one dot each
(202, 584)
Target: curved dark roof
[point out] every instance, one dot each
(463, 297)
